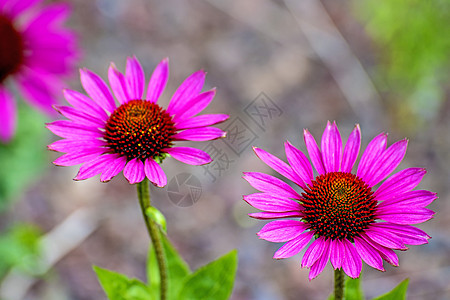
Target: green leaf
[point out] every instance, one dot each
(154, 214)
(353, 289)
(119, 287)
(398, 293)
(213, 281)
(177, 269)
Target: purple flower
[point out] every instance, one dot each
(35, 52)
(345, 216)
(137, 134)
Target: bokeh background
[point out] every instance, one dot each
(279, 66)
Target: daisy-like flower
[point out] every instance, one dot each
(35, 51)
(135, 134)
(346, 217)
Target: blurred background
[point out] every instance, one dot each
(279, 66)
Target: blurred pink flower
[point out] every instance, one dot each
(138, 133)
(347, 217)
(35, 51)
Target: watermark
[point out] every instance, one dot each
(242, 132)
(262, 110)
(184, 190)
(221, 160)
(239, 136)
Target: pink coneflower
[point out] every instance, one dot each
(35, 51)
(347, 219)
(137, 134)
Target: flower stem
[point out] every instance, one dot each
(155, 235)
(339, 284)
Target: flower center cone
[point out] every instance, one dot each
(139, 129)
(11, 49)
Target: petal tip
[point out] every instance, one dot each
(84, 71)
(158, 184)
(57, 108)
(251, 215)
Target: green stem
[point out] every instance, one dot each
(155, 235)
(339, 284)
